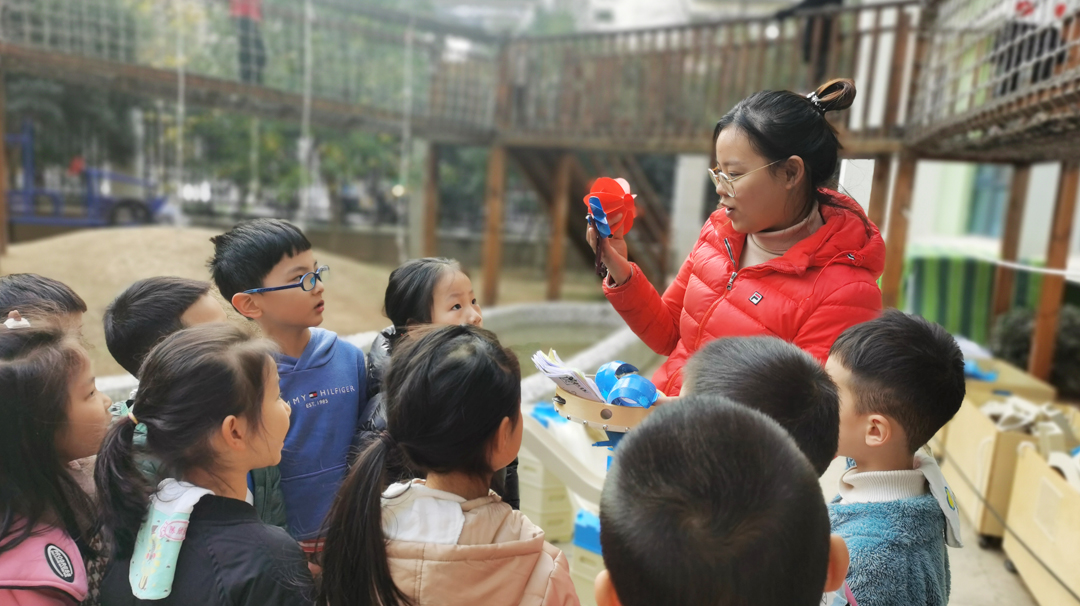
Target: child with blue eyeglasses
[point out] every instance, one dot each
(269, 273)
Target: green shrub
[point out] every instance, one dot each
(1011, 341)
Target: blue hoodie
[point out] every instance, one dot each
(326, 388)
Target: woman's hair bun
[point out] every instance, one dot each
(835, 95)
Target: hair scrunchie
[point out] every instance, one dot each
(129, 412)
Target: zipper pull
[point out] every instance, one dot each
(731, 282)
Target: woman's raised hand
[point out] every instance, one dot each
(614, 256)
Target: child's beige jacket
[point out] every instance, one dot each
(500, 558)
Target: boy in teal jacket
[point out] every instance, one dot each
(900, 379)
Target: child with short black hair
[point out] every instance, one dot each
(268, 271)
(744, 524)
(51, 414)
(152, 309)
(901, 378)
(780, 380)
(30, 293)
(141, 317)
(211, 410)
(454, 415)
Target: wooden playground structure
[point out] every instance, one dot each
(948, 79)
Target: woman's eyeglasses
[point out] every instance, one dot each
(306, 283)
(726, 183)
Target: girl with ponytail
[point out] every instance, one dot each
(50, 415)
(209, 401)
(453, 412)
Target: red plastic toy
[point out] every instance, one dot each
(615, 197)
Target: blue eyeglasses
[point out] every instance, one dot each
(306, 283)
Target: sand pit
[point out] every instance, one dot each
(99, 263)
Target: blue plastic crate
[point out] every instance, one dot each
(545, 413)
(587, 532)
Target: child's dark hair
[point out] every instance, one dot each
(31, 291)
(448, 390)
(148, 311)
(244, 255)
(781, 124)
(710, 502)
(780, 380)
(906, 368)
(36, 369)
(190, 382)
(411, 291)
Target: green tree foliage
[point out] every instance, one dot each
(552, 23)
(344, 155)
(71, 120)
(462, 179)
(1011, 341)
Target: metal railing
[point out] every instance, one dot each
(655, 89)
(665, 88)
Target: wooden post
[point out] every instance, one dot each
(879, 190)
(1010, 241)
(494, 201)
(502, 89)
(3, 168)
(560, 208)
(431, 201)
(896, 79)
(1053, 287)
(896, 241)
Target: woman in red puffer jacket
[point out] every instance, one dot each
(782, 255)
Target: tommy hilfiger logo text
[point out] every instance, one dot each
(316, 398)
(756, 298)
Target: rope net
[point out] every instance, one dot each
(356, 56)
(999, 81)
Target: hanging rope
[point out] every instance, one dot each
(406, 146)
(1071, 276)
(180, 108)
(305, 145)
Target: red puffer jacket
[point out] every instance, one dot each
(821, 286)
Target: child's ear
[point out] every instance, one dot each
(502, 449)
(247, 305)
(233, 433)
(838, 563)
(604, 591)
(879, 430)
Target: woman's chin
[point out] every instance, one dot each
(738, 225)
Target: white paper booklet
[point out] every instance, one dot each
(571, 380)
